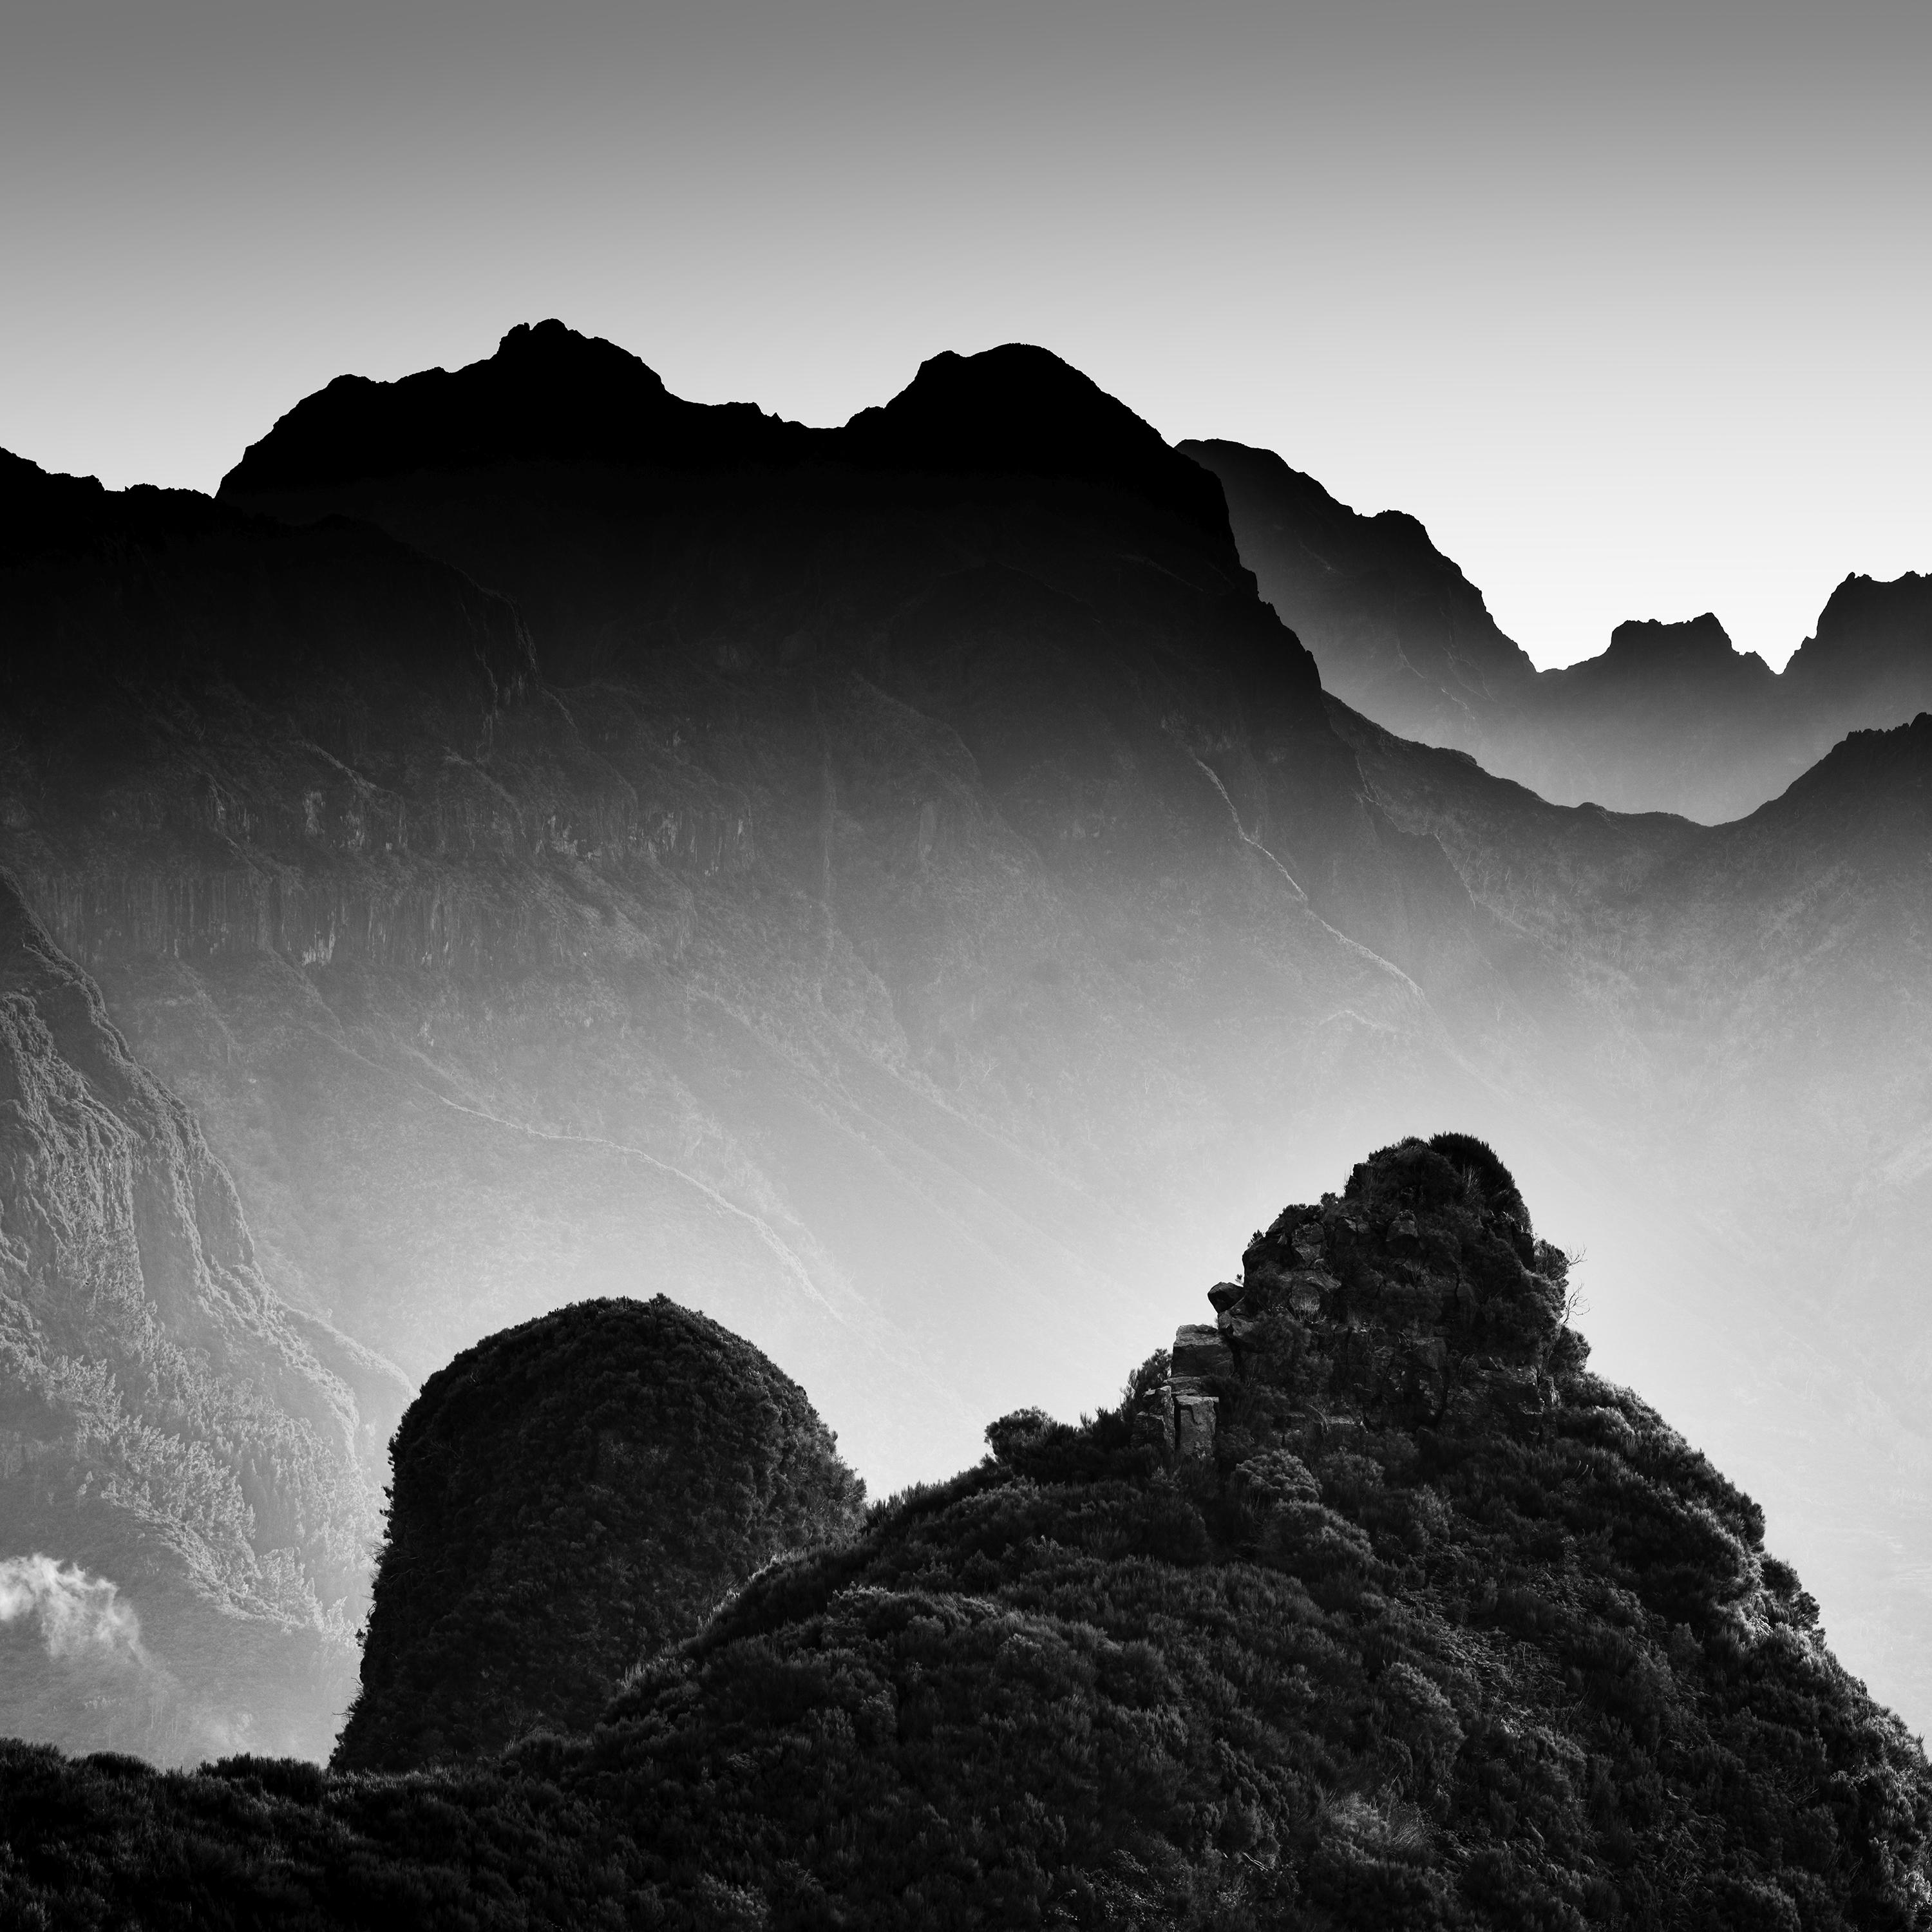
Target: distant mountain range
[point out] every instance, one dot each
(901, 890)
(1670, 717)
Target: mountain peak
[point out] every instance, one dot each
(547, 395)
(1018, 409)
(1653, 641)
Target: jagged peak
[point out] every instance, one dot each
(1867, 622)
(548, 393)
(1643, 649)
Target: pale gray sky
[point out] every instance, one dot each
(1629, 304)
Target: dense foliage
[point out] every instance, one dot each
(1445, 1631)
(570, 1496)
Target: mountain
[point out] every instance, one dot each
(1399, 633)
(1759, 994)
(900, 892)
(568, 1497)
(1367, 1606)
(582, 877)
(187, 1516)
(1670, 717)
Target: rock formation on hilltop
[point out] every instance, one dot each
(568, 1498)
(1416, 1624)
(185, 1514)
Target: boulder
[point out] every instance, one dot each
(1194, 1427)
(1308, 1290)
(1199, 1351)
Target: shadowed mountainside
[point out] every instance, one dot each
(1670, 717)
(1415, 1623)
(186, 1523)
(811, 868)
(570, 1497)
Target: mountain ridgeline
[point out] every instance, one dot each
(1670, 717)
(902, 889)
(1367, 1606)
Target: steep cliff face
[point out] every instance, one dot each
(182, 1451)
(568, 1498)
(901, 894)
(1416, 1623)
(1670, 717)
(1400, 633)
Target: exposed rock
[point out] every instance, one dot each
(1307, 1290)
(1194, 1428)
(1200, 1352)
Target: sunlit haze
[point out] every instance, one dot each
(1627, 304)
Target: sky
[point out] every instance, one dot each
(1630, 303)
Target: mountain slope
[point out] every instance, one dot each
(185, 1519)
(1669, 718)
(1426, 1627)
(811, 865)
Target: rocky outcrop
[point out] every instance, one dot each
(170, 1432)
(568, 1499)
(1359, 1308)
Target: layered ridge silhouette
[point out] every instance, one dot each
(1669, 718)
(901, 892)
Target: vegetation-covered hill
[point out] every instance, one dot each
(569, 1497)
(1369, 1606)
